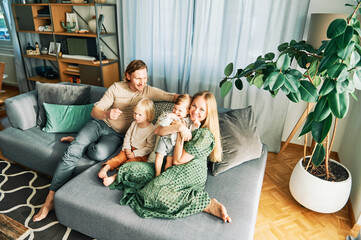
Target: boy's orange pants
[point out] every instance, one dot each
(121, 158)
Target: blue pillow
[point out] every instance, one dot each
(66, 118)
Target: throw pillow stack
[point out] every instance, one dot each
(63, 108)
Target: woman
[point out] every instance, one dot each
(179, 191)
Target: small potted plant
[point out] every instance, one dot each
(330, 76)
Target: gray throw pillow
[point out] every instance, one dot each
(161, 107)
(240, 139)
(60, 94)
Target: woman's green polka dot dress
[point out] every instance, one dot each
(178, 192)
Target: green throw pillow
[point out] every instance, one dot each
(66, 118)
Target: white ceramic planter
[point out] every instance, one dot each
(317, 194)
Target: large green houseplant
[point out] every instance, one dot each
(330, 75)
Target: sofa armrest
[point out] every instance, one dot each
(22, 110)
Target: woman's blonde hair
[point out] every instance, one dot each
(147, 106)
(211, 122)
(132, 67)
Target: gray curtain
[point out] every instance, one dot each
(187, 44)
(23, 85)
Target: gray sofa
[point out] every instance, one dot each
(85, 205)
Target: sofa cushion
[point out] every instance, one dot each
(240, 140)
(60, 94)
(66, 118)
(22, 110)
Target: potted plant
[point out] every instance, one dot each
(330, 75)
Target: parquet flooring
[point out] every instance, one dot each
(279, 215)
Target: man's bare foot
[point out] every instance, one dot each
(109, 180)
(46, 208)
(103, 172)
(217, 209)
(67, 139)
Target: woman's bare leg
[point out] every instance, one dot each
(46, 208)
(67, 139)
(109, 180)
(217, 209)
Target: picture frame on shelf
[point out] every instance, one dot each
(54, 50)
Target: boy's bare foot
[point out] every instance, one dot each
(67, 139)
(109, 180)
(46, 208)
(103, 172)
(217, 209)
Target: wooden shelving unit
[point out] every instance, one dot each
(103, 73)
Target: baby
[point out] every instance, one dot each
(166, 143)
(139, 140)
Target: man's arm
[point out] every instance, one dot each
(111, 114)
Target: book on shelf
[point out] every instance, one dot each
(72, 68)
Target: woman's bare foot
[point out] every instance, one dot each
(103, 172)
(46, 208)
(217, 209)
(109, 180)
(67, 139)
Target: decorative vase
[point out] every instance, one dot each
(68, 26)
(92, 23)
(317, 194)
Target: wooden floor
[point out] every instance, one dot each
(279, 215)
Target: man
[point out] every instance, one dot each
(112, 115)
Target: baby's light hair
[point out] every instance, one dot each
(184, 98)
(148, 106)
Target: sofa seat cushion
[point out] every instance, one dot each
(86, 205)
(37, 150)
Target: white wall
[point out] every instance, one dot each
(295, 110)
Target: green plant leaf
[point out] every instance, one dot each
(336, 28)
(223, 81)
(275, 80)
(354, 59)
(283, 62)
(297, 74)
(327, 62)
(322, 47)
(226, 87)
(339, 103)
(239, 84)
(307, 127)
(344, 39)
(282, 47)
(327, 86)
(285, 90)
(317, 81)
(269, 56)
(228, 70)
(258, 80)
(345, 86)
(322, 110)
(354, 96)
(335, 70)
(291, 83)
(318, 155)
(345, 52)
(321, 129)
(331, 47)
(357, 79)
(308, 91)
(312, 69)
(294, 97)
